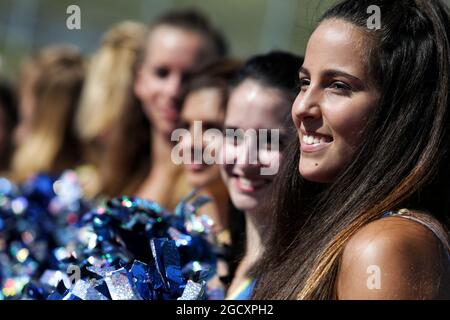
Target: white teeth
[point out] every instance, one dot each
(308, 139)
(305, 139)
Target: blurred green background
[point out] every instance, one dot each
(250, 26)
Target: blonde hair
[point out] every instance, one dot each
(109, 80)
(50, 145)
(129, 152)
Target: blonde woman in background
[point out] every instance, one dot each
(108, 90)
(49, 90)
(139, 160)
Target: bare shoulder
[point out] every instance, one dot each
(394, 258)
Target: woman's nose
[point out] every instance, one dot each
(306, 105)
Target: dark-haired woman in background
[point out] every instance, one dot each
(262, 94)
(139, 158)
(362, 205)
(8, 121)
(205, 105)
(49, 91)
(203, 114)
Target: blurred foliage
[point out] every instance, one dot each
(251, 26)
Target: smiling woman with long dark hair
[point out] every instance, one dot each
(361, 208)
(260, 98)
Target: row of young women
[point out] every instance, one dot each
(112, 122)
(360, 207)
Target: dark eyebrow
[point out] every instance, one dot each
(335, 73)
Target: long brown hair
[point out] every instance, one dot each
(403, 161)
(128, 156)
(51, 145)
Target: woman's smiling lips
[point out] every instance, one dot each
(169, 113)
(313, 141)
(196, 167)
(249, 185)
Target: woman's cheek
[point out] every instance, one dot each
(347, 117)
